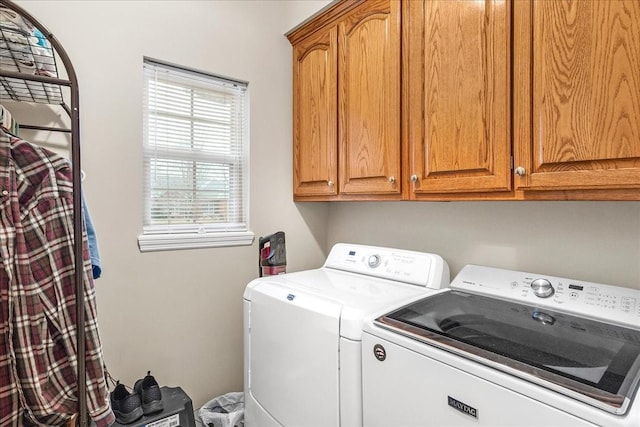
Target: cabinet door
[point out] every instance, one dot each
(577, 94)
(315, 115)
(369, 99)
(457, 95)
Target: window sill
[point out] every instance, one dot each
(169, 242)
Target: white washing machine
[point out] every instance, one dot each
(302, 332)
(501, 347)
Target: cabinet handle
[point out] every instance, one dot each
(330, 183)
(392, 179)
(520, 171)
(414, 178)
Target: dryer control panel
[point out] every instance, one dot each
(418, 268)
(603, 302)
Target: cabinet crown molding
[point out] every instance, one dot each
(326, 16)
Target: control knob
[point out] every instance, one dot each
(542, 288)
(373, 261)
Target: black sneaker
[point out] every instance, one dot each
(150, 395)
(126, 406)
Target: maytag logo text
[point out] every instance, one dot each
(462, 407)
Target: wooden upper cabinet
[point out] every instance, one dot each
(315, 100)
(346, 92)
(369, 99)
(577, 95)
(460, 99)
(457, 58)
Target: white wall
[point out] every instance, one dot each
(591, 241)
(179, 314)
(298, 11)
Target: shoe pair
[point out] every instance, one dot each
(146, 399)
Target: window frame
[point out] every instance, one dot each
(191, 236)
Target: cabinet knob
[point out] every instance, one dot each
(520, 171)
(392, 179)
(330, 183)
(414, 178)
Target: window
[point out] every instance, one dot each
(195, 159)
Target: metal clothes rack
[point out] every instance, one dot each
(20, 81)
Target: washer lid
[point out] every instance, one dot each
(359, 296)
(589, 360)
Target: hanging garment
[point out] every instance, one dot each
(38, 360)
(7, 121)
(92, 239)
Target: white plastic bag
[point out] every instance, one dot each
(224, 411)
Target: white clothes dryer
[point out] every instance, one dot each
(302, 332)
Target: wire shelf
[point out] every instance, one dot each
(25, 50)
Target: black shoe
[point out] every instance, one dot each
(150, 394)
(126, 406)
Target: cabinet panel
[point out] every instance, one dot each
(316, 114)
(584, 126)
(369, 99)
(458, 95)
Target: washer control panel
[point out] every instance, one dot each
(612, 303)
(418, 268)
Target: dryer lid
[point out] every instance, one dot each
(589, 360)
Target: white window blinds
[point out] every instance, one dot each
(195, 158)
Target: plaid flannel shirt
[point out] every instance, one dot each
(38, 360)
